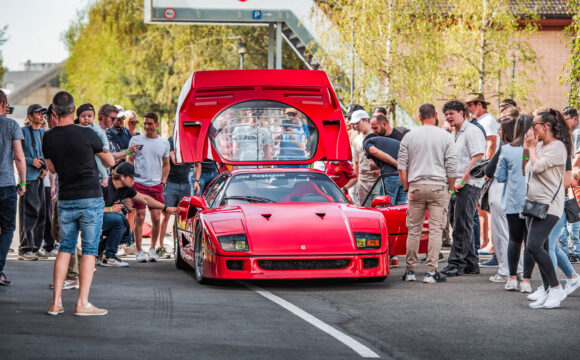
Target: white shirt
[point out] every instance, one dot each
(149, 160)
(489, 124)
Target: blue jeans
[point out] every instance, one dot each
(84, 215)
(559, 257)
(572, 230)
(115, 230)
(8, 201)
(394, 188)
(174, 192)
(204, 180)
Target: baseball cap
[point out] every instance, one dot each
(126, 169)
(358, 115)
(85, 107)
(34, 108)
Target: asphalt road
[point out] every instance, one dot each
(156, 311)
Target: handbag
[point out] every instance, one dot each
(572, 210)
(535, 208)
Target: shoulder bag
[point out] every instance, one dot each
(571, 209)
(537, 209)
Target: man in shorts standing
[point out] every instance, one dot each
(69, 151)
(152, 165)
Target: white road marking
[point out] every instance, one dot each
(340, 336)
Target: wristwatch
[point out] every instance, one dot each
(164, 208)
(345, 189)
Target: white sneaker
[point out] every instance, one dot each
(554, 298)
(537, 294)
(572, 285)
(409, 276)
(540, 301)
(140, 256)
(525, 287)
(113, 262)
(511, 285)
(152, 255)
(497, 278)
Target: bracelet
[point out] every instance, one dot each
(127, 151)
(525, 158)
(196, 180)
(164, 208)
(451, 192)
(22, 184)
(111, 208)
(462, 183)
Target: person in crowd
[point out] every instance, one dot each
(342, 173)
(362, 123)
(379, 110)
(107, 114)
(11, 154)
(505, 103)
(69, 151)
(85, 118)
(31, 209)
(176, 188)
(152, 164)
(131, 121)
(352, 133)
(115, 225)
(498, 219)
(119, 136)
(380, 125)
(513, 196)
(384, 151)
(50, 245)
(251, 142)
(204, 173)
(292, 138)
(427, 168)
(470, 147)
(545, 165)
(573, 229)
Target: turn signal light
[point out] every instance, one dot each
(367, 240)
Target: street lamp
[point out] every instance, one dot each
(241, 51)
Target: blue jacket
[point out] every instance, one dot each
(32, 152)
(118, 140)
(509, 171)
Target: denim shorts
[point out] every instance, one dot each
(174, 192)
(84, 215)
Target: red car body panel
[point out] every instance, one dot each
(211, 92)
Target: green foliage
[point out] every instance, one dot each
(116, 58)
(572, 74)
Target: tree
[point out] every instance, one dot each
(572, 73)
(3, 39)
(116, 58)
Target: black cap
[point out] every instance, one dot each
(126, 169)
(352, 108)
(34, 108)
(83, 108)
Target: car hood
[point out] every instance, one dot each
(298, 229)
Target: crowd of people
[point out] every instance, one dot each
(506, 182)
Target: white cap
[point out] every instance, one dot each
(358, 115)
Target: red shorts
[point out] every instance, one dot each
(156, 192)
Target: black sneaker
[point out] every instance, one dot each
(4, 281)
(451, 271)
(434, 278)
(574, 259)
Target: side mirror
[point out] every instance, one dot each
(197, 202)
(381, 201)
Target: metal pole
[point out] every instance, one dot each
(271, 44)
(241, 61)
(279, 45)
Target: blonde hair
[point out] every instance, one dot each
(129, 114)
(576, 173)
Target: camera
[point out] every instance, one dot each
(125, 209)
(43, 166)
(10, 110)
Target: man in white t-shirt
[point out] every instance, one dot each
(478, 108)
(151, 163)
(250, 141)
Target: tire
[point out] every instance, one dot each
(177, 259)
(198, 258)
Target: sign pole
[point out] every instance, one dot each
(271, 42)
(279, 45)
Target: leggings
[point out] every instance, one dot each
(518, 232)
(537, 245)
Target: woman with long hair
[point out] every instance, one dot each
(545, 168)
(512, 199)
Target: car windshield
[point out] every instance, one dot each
(279, 187)
(263, 130)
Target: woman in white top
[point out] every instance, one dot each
(545, 175)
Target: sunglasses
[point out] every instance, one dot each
(291, 113)
(133, 122)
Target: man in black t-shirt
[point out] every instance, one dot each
(115, 226)
(69, 151)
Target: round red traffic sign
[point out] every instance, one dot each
(169, 13)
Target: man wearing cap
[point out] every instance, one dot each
(118, 135)
(360, 120)
(32, 207)
(115, 225)
(10, 153)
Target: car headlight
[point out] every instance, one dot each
(237, 242)
(367, 240)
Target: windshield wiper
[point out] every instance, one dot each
(250, 198)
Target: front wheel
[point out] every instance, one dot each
(198, 257)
